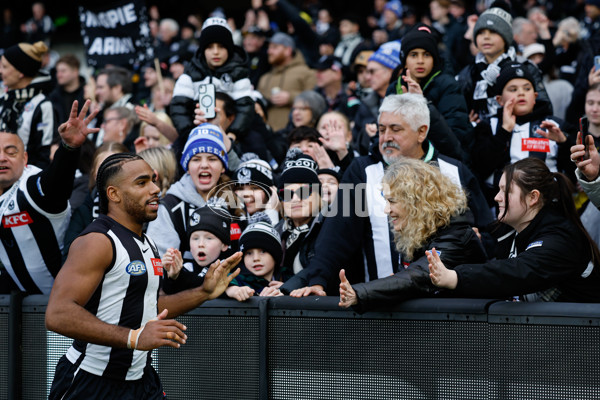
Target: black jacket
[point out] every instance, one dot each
(456, 243)
(551, 253)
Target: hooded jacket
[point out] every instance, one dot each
(294, 78)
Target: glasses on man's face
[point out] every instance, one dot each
(303, 193)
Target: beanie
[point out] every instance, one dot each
(205, 138)
(298, 168)
(216, 30)
(261, 235)
(335, 172)
(387, 55)
(394, 6)
(421, 36)
(512, 71)
(254, 171)
(26, 58)
(211, 219)
(498, 19)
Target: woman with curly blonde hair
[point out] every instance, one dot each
(426, 209)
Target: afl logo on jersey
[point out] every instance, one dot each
(136, 268)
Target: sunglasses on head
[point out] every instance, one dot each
(303, 193)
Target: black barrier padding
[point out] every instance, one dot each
(544, 362)
(583, 314)
(319, 358)
(219, 361)
(35, 367)
(3, 352)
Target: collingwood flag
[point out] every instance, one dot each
(116, 33)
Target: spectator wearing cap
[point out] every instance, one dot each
(520, 130)
(330, 182)
(351, 40)
(423, 66)
(204, 160)
(254, 185)
(299, 193)
(261, 244)
(392, 16)
(380, 67)
(288, 77)
(255, 44)
(208, 234)
(359, 69)
(330, 85)
(493, 37)
(25, 108)
(220, 62)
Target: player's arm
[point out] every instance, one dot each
(217, 279)
(89, 257)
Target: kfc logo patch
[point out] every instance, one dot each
(157, 265)
(14, 220)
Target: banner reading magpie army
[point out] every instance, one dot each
(116, 33)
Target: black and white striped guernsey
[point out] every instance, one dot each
(31, 237)
(126, 296)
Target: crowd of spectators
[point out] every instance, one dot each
(491, 95)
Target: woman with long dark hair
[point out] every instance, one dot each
(546, 256)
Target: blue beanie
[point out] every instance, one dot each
(205, 138)
(388, 54)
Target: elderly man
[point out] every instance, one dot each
(359, 231)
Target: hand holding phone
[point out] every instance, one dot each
(584, 131)
(206, 99)
(597, 63)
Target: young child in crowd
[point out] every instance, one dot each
(521, 129)
(220, 62)
(255, 187)
(209, 237)
(261, 245)
(493, 36)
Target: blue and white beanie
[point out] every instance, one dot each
(205, 138)
(388, 54)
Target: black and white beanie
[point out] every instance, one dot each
(298, 168)
(254, 171)
(216, 30)
(262, 235)
(213, 219)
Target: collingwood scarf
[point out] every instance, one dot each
(488, 76)
(12, 104)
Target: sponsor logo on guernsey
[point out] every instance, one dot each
(235, 231)
(157, 265)
(534, 244)
(14, 220)
(136, 268)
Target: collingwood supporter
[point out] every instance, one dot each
(588, 167)
(336, 134)
(359, 231)
(426, 209)
(107, 296)
(221, 63)
(544, 254)
(69, 86)
(35, 209)
(330, 85)
(25, 108)
(204, 161)
(493, 37)
(164, 164)
(306, 110)
(521, 129)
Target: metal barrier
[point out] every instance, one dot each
(286, 348)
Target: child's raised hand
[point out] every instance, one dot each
(270, 291)
(509, 119)
(552, 131)
(172, 262)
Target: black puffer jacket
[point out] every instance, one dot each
(551, 253)
(232, 78)
(457, 243)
